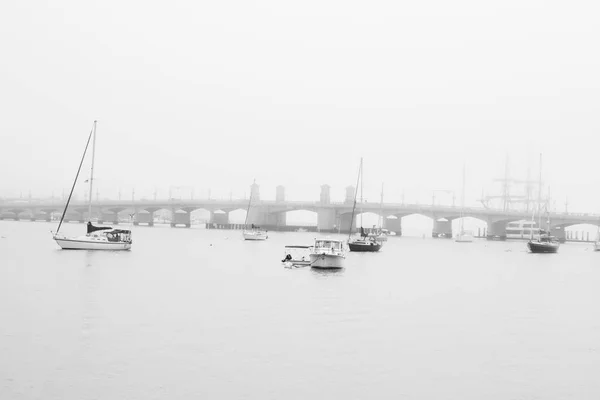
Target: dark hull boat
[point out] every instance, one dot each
(364, 246)
(545, 243)
(542, 246)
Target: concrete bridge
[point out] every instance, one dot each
(271, 214)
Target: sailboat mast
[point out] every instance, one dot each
(92, 175)
(361, 193)
(540, 199)
(249, 202)
(354, 204)
(62, 217)
(381, 208)
(462, 200)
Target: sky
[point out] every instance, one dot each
(199, 96)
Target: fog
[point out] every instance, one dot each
(192, 96)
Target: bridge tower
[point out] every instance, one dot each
(325, 194)
(496, 230)
(442, 228)
(280, 218)
(326, 216)
(280, 193)
(255, 192)
(350, 190)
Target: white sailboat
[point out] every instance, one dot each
(255, 232)
(464, 236)
(380, 233)
(97, 237)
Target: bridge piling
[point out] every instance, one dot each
(496, 230)
(393, 225)
(442, 228)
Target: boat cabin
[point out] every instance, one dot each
(118, 235)
(332, 244)
(545, 238)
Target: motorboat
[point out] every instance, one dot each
(297, 256)
(327, 253)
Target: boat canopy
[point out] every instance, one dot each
(91, 228)
(120, 231)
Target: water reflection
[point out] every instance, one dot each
(327, 273)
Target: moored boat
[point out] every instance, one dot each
(254, 232)
(327, 253)
(363, 243)
(97, 237)
(543, 244)
(296, 256)
(367, 244)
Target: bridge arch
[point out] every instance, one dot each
(474, 224)
(578, 231)
(412, 224)
(369, 219)
(300, 218)
(237, 216)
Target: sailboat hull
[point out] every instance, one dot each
(542, 247)
(86, 244)
(365, 247)
(255, 235)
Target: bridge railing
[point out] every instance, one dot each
(34, 203)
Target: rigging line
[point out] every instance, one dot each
(249, 203)
(75, 182)
(354, 205)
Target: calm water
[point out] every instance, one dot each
(177, 318)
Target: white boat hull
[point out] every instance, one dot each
(87, 244)
(255, 235)
(326, 260)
